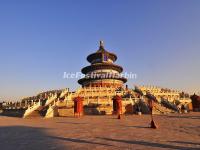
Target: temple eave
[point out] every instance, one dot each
(101, 66)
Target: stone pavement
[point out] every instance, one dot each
(176, 131)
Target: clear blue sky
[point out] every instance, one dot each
(40, 39)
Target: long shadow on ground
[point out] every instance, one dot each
(183, 142)
(26, 138)
(150, 144)
(185, 117)
(80, 141)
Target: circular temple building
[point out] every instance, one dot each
(102, 72)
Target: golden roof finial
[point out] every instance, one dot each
(101, 43)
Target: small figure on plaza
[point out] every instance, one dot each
(138, 109)
(151, 101)
(183, 109)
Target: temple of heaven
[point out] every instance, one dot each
(102, 72)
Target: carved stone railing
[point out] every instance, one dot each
(31, 109)
(50, 99)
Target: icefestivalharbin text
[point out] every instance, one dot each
(78, 75)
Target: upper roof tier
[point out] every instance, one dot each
(99, 54)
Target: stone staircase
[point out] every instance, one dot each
(38, 106)
(169, 105)
(159, 109)
(31, 111)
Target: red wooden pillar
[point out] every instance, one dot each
(117, 106)
(195, 102)
(78, 106)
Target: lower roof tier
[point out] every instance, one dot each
(113, 80)
(103, 83)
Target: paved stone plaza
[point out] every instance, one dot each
(176, 131)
